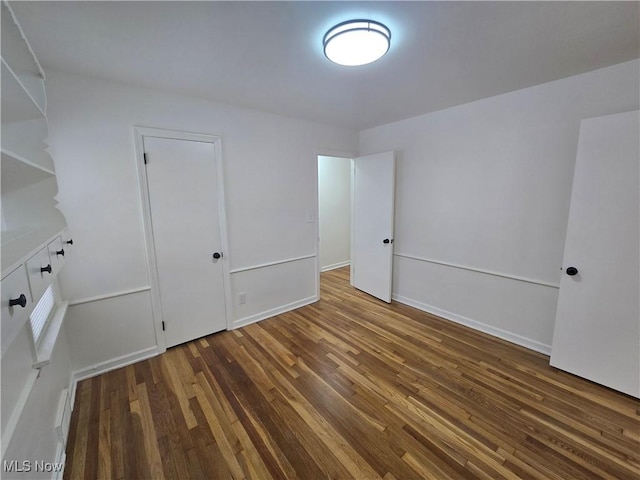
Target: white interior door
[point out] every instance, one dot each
(597, 329)
(373, 207)
(183, 197)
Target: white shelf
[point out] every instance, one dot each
(19, 56)
(27, 141)
(31, 223)
(18, 172)
(30, 218)
(17, 103)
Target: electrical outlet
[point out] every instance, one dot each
(242, 298)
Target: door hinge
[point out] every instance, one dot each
(163, 325)
(144, 156)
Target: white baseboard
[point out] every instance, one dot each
(241, 322)
(482, 327)
(107, 366)
(63, 417)
(59, 462)
(335, 265)
(73, 383)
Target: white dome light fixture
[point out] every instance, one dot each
(356, 42)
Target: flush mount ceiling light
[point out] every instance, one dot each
(356, 42)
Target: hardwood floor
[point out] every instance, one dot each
(350, 387)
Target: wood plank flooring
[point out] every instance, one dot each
(350, 387)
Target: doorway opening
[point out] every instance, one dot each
(356, 210)
(335, 198)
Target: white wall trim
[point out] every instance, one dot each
(327, 152)
(241, 322)
(107, 296)
(352, 247)
(271, 264)
(18, 409)
(108, 365)
(482, 327)
(335, 265)
(480, 270)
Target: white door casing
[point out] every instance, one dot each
(373, 223)
(597, 329)
(183, 203)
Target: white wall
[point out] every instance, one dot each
(269, 169)
(334, 206)
(482, 200)
(484, 186)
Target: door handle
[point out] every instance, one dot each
(46, 269)
(571, 271)
(386, 240)
(21, 300)
(217, 255)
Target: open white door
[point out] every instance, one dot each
(373, 192)
(597, 329)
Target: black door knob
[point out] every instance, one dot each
(386, 240)
(60, 252)
(571, 271)
(217, 255)
(46, 269)
(69, 242)
(21, 300)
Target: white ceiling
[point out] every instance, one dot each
(268, 55)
